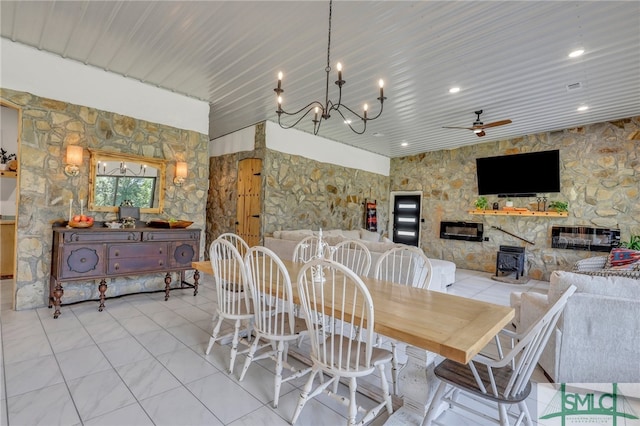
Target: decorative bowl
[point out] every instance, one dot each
(169, 223)
(80, 224)
(113, 225)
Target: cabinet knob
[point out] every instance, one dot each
(160, 262)
(116, 253)
(116, 266)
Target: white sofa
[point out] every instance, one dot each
(597, 339)
(284, 242)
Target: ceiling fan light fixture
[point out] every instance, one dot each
(477, 131)
(454, 90)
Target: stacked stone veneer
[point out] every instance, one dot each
(600, 178)
(305, 194)
(48, 126)
(297, 192)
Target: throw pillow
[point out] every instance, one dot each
(621, 257)
(373, 237)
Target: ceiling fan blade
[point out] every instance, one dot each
(466, 128)
(481, 134)
(496, 124)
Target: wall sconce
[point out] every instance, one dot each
(181, 173)
(74, 160)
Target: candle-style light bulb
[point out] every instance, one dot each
(339, 67)
(279, 103)
(381, 83)
(279, 80)
(366, 108)
(316, 117)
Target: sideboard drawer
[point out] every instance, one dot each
(172, 235)
(120, 251)
(135, 265)
(105, 236)
(82, 261)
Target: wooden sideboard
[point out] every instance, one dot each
(81, 254)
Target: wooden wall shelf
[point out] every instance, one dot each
(518, 213)
(8, 173)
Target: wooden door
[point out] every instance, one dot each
(249, 200)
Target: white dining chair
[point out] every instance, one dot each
(406, 265)
(230, 278)
(306, 249)
(502, 378)
(354, 255)
(237, 241)
(344, 297)
(275, 323)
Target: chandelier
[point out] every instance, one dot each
(123, 169)
(322, 111)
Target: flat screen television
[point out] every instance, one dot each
(519, 175)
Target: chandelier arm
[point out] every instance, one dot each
(364, 127)
(309, 109)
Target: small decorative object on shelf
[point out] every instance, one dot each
(559, 206)
(5, 159)
(481, 203)
(509, 203)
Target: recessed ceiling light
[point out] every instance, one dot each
(454, 90)
(404, 143)
(583, 108)
(576, 53)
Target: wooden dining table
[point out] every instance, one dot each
(452, 326)
(430, 322)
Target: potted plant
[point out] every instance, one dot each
(5, 158)
(481, 203)
(633, 243)
(559, 206)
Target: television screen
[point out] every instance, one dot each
(523, 175)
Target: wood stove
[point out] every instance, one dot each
(510, 259)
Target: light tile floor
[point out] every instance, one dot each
(141, 361)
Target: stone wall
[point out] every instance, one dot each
(223, 189)
(48, 126)
(305, 194)
(600, 178)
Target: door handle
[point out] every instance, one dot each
(255, 215)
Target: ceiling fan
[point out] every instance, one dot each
(478, 126)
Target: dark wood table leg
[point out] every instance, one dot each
(57, 299)
(102, 288)
(196, 278)
(167, 282)
(51, 287)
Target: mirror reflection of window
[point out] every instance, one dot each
(119, 181)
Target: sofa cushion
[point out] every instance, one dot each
(621, 257)
(369, 236)
(296, 235)
(612, 286)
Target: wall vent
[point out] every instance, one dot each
(574, 86)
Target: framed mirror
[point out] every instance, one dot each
(117, 179)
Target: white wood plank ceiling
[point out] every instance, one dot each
(509, 59)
